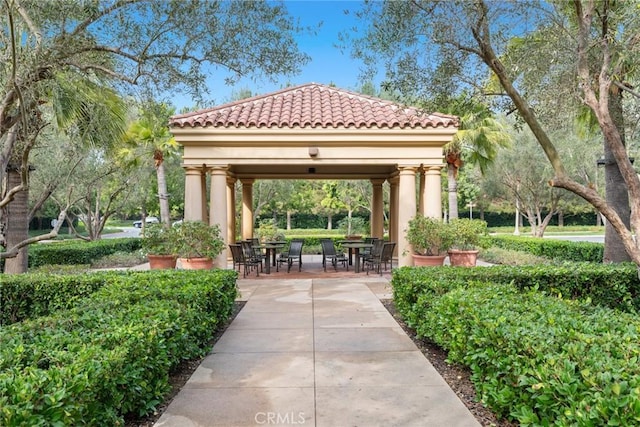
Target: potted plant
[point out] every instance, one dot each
(467, 234)
(158, 245)
(197, 244)
(430, 239)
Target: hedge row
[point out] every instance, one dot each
(613, 285)
(111, 354)
(23, 296)
(541, 360)
(561, 250)
(79, 252)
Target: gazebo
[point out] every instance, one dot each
(313, 131)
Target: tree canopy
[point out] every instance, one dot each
(53, 51)
(443, 47)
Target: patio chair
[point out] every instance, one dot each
(385, 256)
(249, 254)
(329, 255)
(372, 252)
(240, 260)
(294, 255)
(257, 252)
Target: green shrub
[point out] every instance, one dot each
(78, 252)
(495, 255)
(538, 359)
(612, 285)
(554, 249)
(111, 353)
(24, 296)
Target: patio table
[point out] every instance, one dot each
(270, 253)
(343, 242)
(356, 246)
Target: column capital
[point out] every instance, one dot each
(377, 181)
(432, 169)
(231, 180)
(406, 169)
(247, 181)
(192, 170)
(217, 170)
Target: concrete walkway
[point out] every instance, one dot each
(316, 352)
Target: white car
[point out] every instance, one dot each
(149, 220)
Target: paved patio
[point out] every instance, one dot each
(318, 351)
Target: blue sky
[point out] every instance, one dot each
(328, 64)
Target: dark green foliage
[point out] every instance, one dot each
(112, 352)
(614, 286)
(541, 360)
(24, 296)
(535, 357)
(561, 250)
(77, 252)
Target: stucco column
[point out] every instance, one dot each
(422, 200)
(433, 192)
(406, 211)
(247, 208)
(394, 199)
(231, 209)
(218, 209)
(377, 208)
(193, 194)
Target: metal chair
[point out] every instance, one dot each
(372, 252)
(240, 260)
(294, 255)
(257, 252)
(385, 256)
(249, 255)
(329, 254)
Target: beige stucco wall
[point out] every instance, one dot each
(275, 153)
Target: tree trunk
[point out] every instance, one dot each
(17, 225)
(616, 192)
(163, 197)
(452, 188)
(329, 222)
(288, 220)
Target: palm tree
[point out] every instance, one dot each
(151, 133)
(476, 142)
(91, 115)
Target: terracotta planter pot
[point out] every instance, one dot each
(162, 262)
(463, 258)
(428, 260)
(196, 263)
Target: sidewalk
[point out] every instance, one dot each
(316, 352)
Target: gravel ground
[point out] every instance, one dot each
(458, 377)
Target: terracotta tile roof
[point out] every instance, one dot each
(313, 106)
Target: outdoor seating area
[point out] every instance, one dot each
(346, 258)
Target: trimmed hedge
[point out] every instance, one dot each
(79, 252)
(538, 359)
(613, 285)
(562, 250)
(111, 353)
(23, 296)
